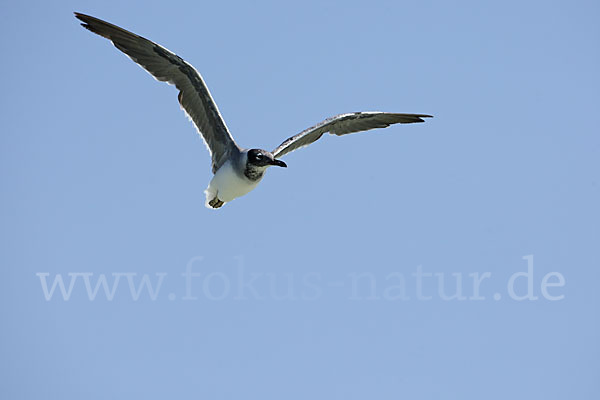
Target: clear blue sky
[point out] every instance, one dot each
(324, 281)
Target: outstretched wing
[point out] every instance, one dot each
(343, 124)
(194, 97)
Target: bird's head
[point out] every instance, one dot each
(263, 158)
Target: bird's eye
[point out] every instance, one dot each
(258, 157)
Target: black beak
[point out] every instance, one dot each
(279, 163)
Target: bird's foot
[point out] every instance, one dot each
(215, 203)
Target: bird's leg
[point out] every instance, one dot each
(215, 203)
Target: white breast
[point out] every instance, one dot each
(228, 185)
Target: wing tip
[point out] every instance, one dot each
(80, 16)
(419, 117)
(86, 21)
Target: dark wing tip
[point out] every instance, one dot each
(87, 22)
(89, 28)
(102, 28)
(81, 17)
(419, 117)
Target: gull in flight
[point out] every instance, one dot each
(236, 170)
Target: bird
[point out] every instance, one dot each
(236, 170)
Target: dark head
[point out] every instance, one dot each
(262, 158)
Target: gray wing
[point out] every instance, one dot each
(194, 97)
(343, 124)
